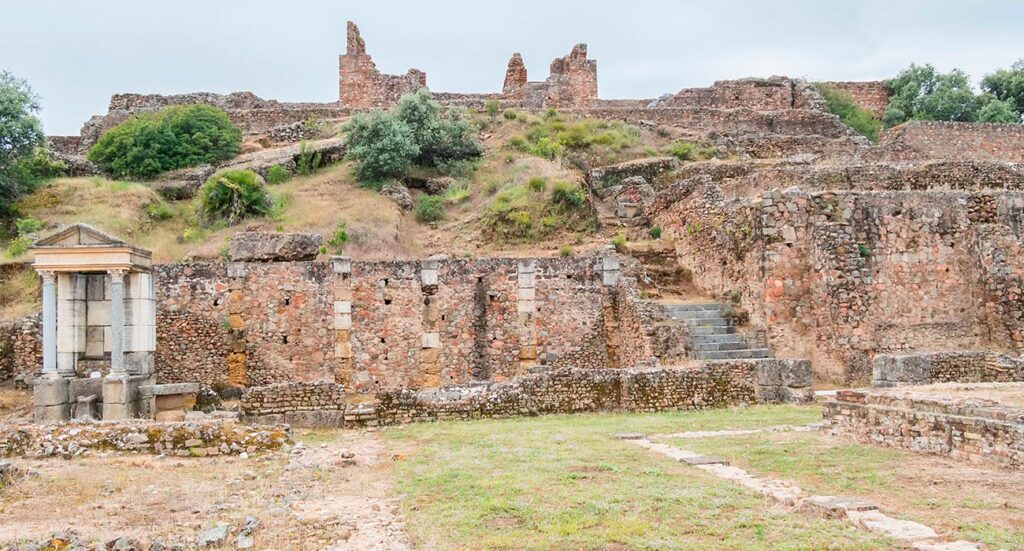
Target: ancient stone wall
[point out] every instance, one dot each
(840, 276)
(362, 86)
(546, 390)
(961, 429)
(573, 80)
(917, 140)
(21, 351)
(945, 367)
(872, 95)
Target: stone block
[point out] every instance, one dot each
(97, 313)
(525, 281)
(120, 390)
(342, 290)
(49, 414)
(95, 288)
(173, 416)
(428, 277)
(526, 306)
(526, 266)
(258, 246)
(343, 321)
(236, 269)
(140, 287)
(527, 294)
(175, 401)
(343, 349)
(341, 265)
(84, 386)
(116, 411)
(48, 391)
(343, 307)
(140, 312)
(430, 340)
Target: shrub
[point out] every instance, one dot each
(339, 237)
(456, 193)
(159, 210)
(684, 151)
(510, 114)
(568, 195)
(619, 242)
(492, 107)
(463, 168)
(174, 137)
(537, 184)
(998, 111)
(1007, 85)
(439, 138)
(277, 174)
(921, 92)
(382, 146)
(309, 161)
(863, 250)
(565, 251)
(842, 105)
(655, 232)
(26, 227)
(231, 196)
(548, 149)
(552, 136)
(429, 208)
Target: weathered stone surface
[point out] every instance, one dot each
(213, 537)
(399, 194)
(258, 246)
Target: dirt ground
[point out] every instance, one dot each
(330, 491)
(1007, 394)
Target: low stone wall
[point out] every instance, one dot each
(21, 352)
(187, 439)
(967, 430)
(546, 391)
(945, 367)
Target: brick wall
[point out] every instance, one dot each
(952, 140)
(872, 95)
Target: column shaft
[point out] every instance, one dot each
(117, 323)
(49, 324)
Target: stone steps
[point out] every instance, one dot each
(712, 334)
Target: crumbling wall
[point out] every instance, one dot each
(362, 86)
(872, 95)
(573, 80)
(946, 367)
(841, 276)
(918, 140)
(760, 94)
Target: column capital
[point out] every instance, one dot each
(49, 276)
(118, 272)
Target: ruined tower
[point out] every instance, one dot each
(362, 86)
(515, 78)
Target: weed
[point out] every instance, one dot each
(537, 184)
(655, 232)
(565, 251)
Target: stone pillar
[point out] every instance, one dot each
(49, 324)
(610, 270)
(342, 268)
(430, 340)
(117, 368)
(526, 308)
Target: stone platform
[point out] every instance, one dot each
(976, 423)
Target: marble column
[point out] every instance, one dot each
(49, 324)
(117, 367)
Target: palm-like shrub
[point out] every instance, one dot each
(232, 195)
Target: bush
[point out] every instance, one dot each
(277, 174)
(26, 227)
(998, 111)
(510, 114)
(439, 138)
(339, 237)
(463, 168)
(684, 151)
(565, 251)
(429, 208)
(492, 107)
(537, 184)
(842, 105)
(921, 92)
(456, 193)
(159, 210)
(619, 242)
(568, 195)
(552, 136)
(174, 137)
(382, 146)
(231, 196)
(309, 161)
(655, 232)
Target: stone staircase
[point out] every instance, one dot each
(712, 335)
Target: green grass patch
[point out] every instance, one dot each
(530, 212)
(554, 136)
(564, 482)
(842, 105)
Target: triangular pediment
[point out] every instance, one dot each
(79, 235)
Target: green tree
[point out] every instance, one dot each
(381, 145)
(1007, 85)
(232, 195)
(440, 139)
(174, 137)
(21, 134)
(921, 92)
(997, 111)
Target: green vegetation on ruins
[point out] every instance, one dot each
(842, 105)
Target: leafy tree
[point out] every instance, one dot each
(232, 195)
(21, 134)
(381, 145)
(921, 92)
(1007, 85)
(440, 139)
(998, 111)
(429, 208)
(174, 137)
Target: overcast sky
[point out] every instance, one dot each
(77, 53)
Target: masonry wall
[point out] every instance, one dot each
(841, 276)
(872, 95)
(952, 140)
(945, 367)
(942, 426)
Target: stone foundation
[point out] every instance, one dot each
(971, 430)
(945, 367)
(195, 439)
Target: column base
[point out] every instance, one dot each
(121, 396)
(50, 398)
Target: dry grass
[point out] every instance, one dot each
(19, 294)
